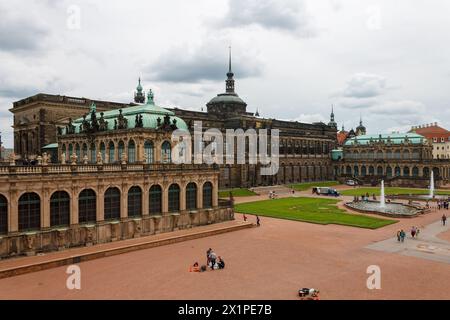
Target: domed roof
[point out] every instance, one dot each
(226, 98)
(150, 114)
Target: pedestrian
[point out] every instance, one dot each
(417, 232)
(208, 254)
(413, 232)
(245, 218)
(402, 235)
(398, 235)
(444, 219)
(258, 222)
(212, 258)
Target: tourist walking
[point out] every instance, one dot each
(245, 218)
(398, 236)
(212, 259)
(402, 235)
(444, 219)
(413, 232)
(258, 222)
(208, 254)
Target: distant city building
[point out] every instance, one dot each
(438, 136)
(399, 159)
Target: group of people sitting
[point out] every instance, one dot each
(212, 261)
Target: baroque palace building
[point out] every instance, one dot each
(399, 159)
(305, 149)
(115, 180)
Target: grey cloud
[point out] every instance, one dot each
(364, 85)
(286, 15)
(201, 64)
(19, 32)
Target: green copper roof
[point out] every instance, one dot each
(227, 98)
(394, 138)
(149, 111)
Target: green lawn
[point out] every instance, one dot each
(308, 185)
(321, 211)
(390, 191)
(239, 192)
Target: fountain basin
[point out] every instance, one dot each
(418, 197)
(391, 209)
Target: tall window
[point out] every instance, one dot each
(148, 149)
(134, 202)
(131, 152)
(174, 198)
(389, 171)
(3, 215)
(371, 171)
(426, 172)
(356, 171)
(379, 171)
(93, 153)
(415, 172)
(166, 150)
(70, 151)
(87, 206)
(85, 151)
(398, 172)
(363, 171)
(29, 212)
(78, 152)
(155, 199)
(112, 204)
(207, 195)
(103, 151)
(111, 155)
(59, 209)
(406, 171)
(191, 196)
(121, 149)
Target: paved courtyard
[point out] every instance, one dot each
(270, 262)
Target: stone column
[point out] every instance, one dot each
(199, 195)
(13, 216)
(124, 202)
(45, 209)
(215, 193)
(183, 197)
(165, 199)
(100, 204)
(74, 211)
(145, 202)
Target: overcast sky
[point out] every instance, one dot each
(386, 60)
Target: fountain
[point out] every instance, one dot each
(432, 185)
(391, 209)
(382, 196)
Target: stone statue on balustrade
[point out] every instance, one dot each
(123, 158)
(99, 158)
(63, 158)
(73, 159)
(85, 159)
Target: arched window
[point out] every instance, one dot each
(70, 151)
(87, 206)
(120, 150)
(191, 196)
(379, 171)
(207, 195)
(348, 170)
(78, 152)
(166, 150)
(135, 202)
(111, 155)
(93, 153)
(112, 204)
(406, 171)
(60, 209)
(398, 172)
(174, 198)
(371, 171)
(148, 149)
(426, 172)
(85, 151)
(356, 171)
(3, 215)
(415, 172)
(155, 200)
(363, 171)
(29, 212)
(103, 151)
(389, 171)
(131, 152)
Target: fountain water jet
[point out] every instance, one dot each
(432, 185)
(382, 196)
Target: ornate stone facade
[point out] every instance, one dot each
(45, 208)
(399, 159)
